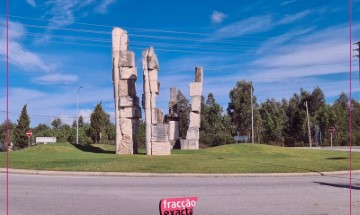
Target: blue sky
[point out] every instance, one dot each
(59, 45)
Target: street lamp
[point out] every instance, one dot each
(252, 113)
(77, 116)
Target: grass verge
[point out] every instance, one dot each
(239, 158)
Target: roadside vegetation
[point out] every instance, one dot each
(280, 123)
(234, 158)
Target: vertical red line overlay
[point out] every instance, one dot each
(7, 107)
(350, 107)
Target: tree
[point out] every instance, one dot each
(184, 109)
(56, 123)
(98, 123)
(3, 126)
(213, 132)
(295, 132)
(273, 121)
(23, 125)
(341, 112)
(41, 130)
(239, 107)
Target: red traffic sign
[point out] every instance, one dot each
(331, 129)
(29, 133)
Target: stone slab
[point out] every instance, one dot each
(119, 39)
(127, 59)
(192, 134)
(153, 75)
(195, 89)
(194, 120)
(128, 101)
(157, 116)
(174, 130)
(150, 61)
(126, 145)
(146, 84)
(127, 88)
(198, 74)
(115, 64)
(128, 73)
(189, 144)
(126, 127)
(159, 133)
(161, 148)
(130, 112)
(154, 87)
(196, 104)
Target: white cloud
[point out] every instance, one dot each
(55, 79)
(103, 6)
(45, 104)
(278, 40)
(310, 54)
(292, 18)
(86, 114)
(246, 26)
(31, 2)
(287, 2)
(19, 55)
(218, 17)
(61, 12)
(256, 24)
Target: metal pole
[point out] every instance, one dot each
(308, 121)
(77, 117)
(252, 115)
(331, 136)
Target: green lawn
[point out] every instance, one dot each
(239, 158)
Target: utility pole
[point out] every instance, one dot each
(77, 116)
(308, 121)
(252, 114)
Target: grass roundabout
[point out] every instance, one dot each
(235, 158)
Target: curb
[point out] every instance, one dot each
(196, 175)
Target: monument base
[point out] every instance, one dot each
(189, 144)
(161, 148)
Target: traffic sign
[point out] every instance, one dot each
(331, 129)
(29, 133)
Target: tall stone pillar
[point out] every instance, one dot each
(127, 110)
(192, 135)
(156, 132)
(173, 119)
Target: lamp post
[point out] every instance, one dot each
(252, 114)
(77, 116)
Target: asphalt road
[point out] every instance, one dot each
(44, 194)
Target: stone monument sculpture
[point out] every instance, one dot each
(156, 132)
(127, 110)
(192, 135)
(173, 119)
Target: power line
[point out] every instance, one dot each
(133, 28)
(102, 40)
(45, 116)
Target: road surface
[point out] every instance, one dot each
(306, 195)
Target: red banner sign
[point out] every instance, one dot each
(184, 205)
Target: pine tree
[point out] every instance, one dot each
(213, 131)
(239, 107)
(23, 125)
(99, 120)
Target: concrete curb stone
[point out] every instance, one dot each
(204, 175)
